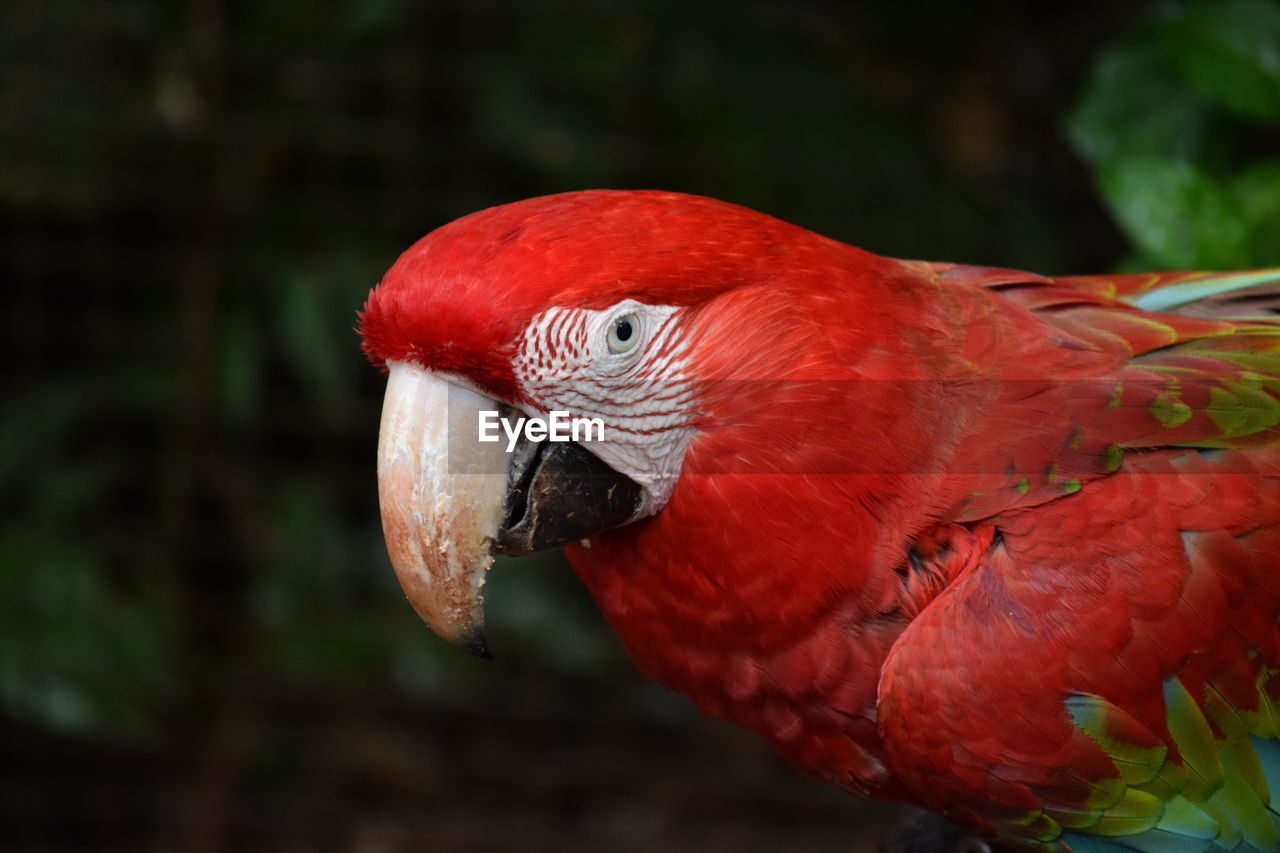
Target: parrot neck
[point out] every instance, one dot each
(813, 518)
(788, 638)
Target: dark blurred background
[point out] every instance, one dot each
(202, 645)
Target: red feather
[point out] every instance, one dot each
(925, 504)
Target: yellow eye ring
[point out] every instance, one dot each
(624, 332)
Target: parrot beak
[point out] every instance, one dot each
(450, 501)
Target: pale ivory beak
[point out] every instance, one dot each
(441, 492)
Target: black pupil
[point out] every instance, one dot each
(622, 329)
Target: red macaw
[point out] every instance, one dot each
(1001, 545)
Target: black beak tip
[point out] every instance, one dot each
(473, 643)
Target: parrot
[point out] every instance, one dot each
(997, 545)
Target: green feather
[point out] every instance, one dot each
(1183, 817)
(1268, 713)
(1152, 841)
(1240, 802)
(1268, 752)
(1170, 413)
(1137, 811)
(1072, 818)
(1243, 758)
(1215, 798)
(1228, 833)
(1210, 284)
(1190, 731)
(1117, 396)
(1097, 716)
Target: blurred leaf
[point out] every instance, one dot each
(1175, 213)
(314, 603)
(1257, 192)
(1134, 104)
(240, 367)
(1229, 50)
(1161, 120)
(372, 17)
(72, 651)
(80, 645)
(306, 322)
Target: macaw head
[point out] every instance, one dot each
(617, 318)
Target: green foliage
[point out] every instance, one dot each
(77, 649)
(1176, 121)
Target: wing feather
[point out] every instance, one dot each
(1106, 676)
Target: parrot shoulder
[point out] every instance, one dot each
(1071, 375)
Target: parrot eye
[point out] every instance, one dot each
(624, 333)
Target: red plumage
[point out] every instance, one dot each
(923, 504)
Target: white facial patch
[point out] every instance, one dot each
(625, 365)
